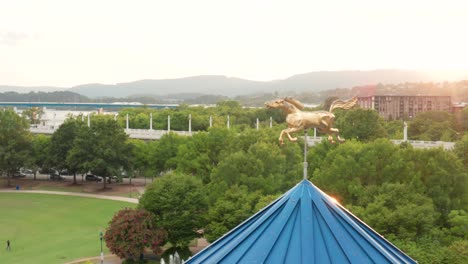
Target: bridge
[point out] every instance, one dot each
(84, 105)
(151, 134)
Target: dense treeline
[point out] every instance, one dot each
(457, 90)
(58, 96)
(217, 178)
(101, 148)
(416, 198)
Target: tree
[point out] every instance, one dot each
(394, 129)
(396, 209)
(464, 119)
(81, 152)
(362, 124)
(102, 148)
(202, 152)
(40, 152)
(178, 202)
(461, 150)
(433, 125)
(33, 114)
(328, 101)
(458, 220)
(131, 231)
(245, 168)
(165, 151)
(442, 177)
(15, 142)
(141, 159)
(339, 171)
(61, 143)
(228, 107)
(230, 210)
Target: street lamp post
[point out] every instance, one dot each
(102, 254)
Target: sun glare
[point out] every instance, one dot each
(333, 199)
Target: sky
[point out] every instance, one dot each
(71, 42)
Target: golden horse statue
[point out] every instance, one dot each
(298, 120)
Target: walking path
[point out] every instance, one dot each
(115, 198)
(108, 259)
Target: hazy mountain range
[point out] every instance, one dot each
(229, 86)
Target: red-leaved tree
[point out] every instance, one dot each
(131, 231)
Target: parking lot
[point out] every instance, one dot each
(81, 178)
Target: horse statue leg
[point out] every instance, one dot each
(293, 130)
(324, 127)
(336, 132)
(287, 131)
(281, 136)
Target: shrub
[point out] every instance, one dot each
(131, 231)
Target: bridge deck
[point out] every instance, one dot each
(84, 105)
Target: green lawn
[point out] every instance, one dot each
(52, 228)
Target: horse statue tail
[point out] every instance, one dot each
(343, 104)
(294, 102)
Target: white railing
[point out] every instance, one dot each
(427, 144)
(153, 134)
(415, 143)
(42, 129)
(311, 141)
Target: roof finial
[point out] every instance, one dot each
(305, 154)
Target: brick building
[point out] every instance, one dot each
(400, 106)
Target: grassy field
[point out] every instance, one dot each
(52, 228)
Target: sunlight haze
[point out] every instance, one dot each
(68, 43)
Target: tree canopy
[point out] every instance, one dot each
(131, 231)
(178, 202)
(15, 142)
(101, 148)
(61, 143)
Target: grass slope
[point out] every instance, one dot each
(52, 228)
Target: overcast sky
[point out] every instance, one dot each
(71, 42)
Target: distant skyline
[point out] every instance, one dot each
(68, 43)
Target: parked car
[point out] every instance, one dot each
(123, 174)
(45, 170)
(91, 177)
(64, 172)
(27, 171)
(17, 174)
(112, 178)
(56, 177)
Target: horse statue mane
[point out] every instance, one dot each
(294, 102)
(343, 104)
(298, 120)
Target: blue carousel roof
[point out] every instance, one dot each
(304, 225)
